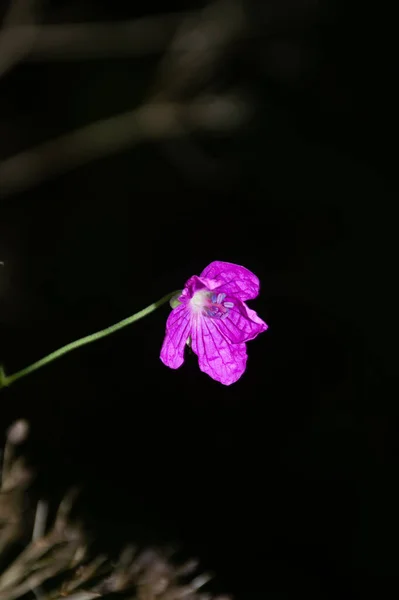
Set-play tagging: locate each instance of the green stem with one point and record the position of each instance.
(6, 380)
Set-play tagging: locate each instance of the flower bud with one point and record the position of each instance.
(174, 302)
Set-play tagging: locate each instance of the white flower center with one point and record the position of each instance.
(199, 301)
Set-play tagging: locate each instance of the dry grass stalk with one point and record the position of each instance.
(57, 562)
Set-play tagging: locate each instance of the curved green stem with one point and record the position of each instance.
(6, 380)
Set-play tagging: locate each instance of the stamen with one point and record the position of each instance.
(211, 304)
(216, 309)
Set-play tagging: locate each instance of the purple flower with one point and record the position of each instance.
(214, 320)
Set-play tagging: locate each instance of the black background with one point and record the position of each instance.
(285, 482)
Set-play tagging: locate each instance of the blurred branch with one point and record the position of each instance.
(109, 136)
(136, 37)
(196, 52)
(14, 45)
(197, 48)
(82, 41)
(19, 11)
(199, 41)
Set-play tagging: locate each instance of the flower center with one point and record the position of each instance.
(211, 305)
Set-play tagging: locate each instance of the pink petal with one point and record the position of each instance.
(255, 317)
(195, 283)
(241, 324)
(177, 333)
(233, 279)
(221, 360)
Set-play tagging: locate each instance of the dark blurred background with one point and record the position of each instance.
(286, 482)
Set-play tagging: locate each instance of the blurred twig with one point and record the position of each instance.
(108, 136)
(198, 46)
(14, 43)
(19, 12)
(176, 105)
(190, 63)
(135, 37)
(83, 41)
